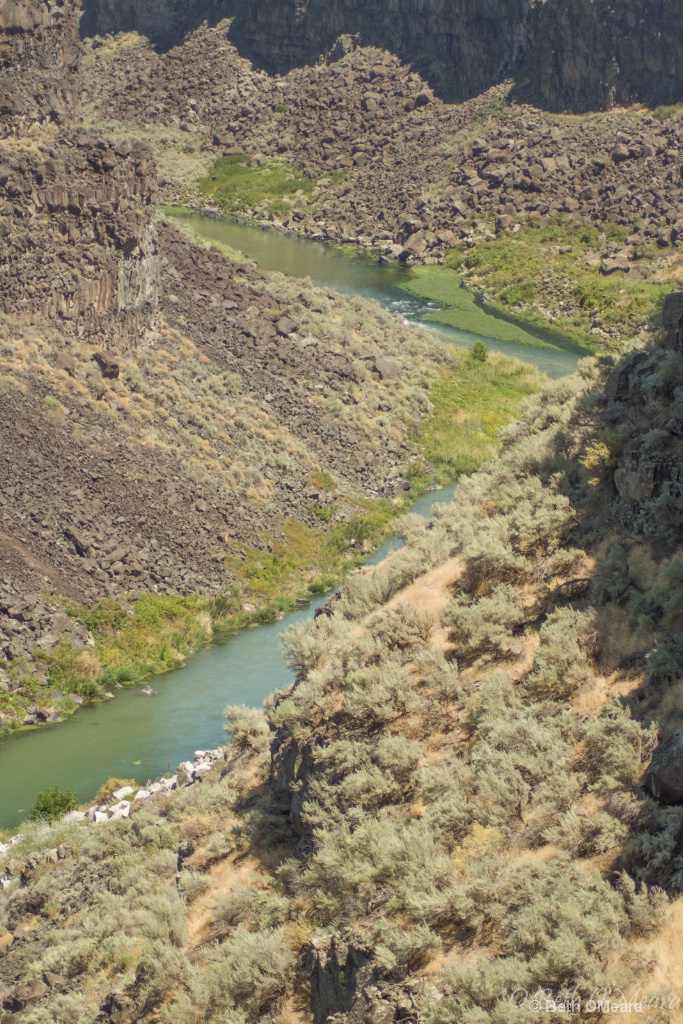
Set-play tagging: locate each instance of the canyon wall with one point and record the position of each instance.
(76, 236)
(563, 54)
(39, 40)
(594, 54)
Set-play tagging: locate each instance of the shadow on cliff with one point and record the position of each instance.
(625, 481)
(561, 57)
(456, 65)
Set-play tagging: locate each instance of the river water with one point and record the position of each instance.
(125, 738)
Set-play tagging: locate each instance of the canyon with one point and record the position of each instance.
(563, 56)
(382, 841)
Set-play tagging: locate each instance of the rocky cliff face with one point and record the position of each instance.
(463, 46)
(41, 40)
(563, 55)
(590, 55)
(76, 239)
(75, 222)
(164, 21)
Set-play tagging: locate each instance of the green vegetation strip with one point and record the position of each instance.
(469, 407)
(509, 267)
(154, 635)
(461, 310)
(235, 185)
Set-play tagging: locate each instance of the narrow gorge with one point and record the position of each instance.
(341, 383)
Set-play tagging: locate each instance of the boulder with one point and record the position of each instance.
(123, 792)
(108, 365)
(120, 810)
(664, 776)
(285, 327)
(386, 369)
(75, 816)
(25, 995)
(672, 318)
(66, 362)
(185, 773)
(610, 266)
(619, 380)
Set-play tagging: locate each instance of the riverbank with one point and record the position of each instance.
(144, 635)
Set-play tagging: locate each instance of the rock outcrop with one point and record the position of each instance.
(664, 776)
(76, 236)
(563, 55)
(40, 40)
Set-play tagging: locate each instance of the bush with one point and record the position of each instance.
(399, 950)
(479, 352)
(252, 970)
(617, 748)
(248, 727)
(403, 628)
(490, 627)
(52, 804)
(561, 666)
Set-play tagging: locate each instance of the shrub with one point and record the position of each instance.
(665, 662)
(403, 628)
(399, 950)
(561, 666)
(252, 970)
(490, 627)
(52, 804)
(192, 885)
(161, 969)
(617, 748)
(248, 727)
(479, 352)
(379, 695)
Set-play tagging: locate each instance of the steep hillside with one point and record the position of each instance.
(386, 842)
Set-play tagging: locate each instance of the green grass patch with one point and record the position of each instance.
(157, 636)
(235, 185)
(665, 111)
(131, 645)
(324, 480)
(470, 405)
(305, 560)
(511, 268)
(461, 310)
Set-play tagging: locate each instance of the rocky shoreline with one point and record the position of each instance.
(124, 802)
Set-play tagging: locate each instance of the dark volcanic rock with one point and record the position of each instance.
(664, 776)
(577, 56)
